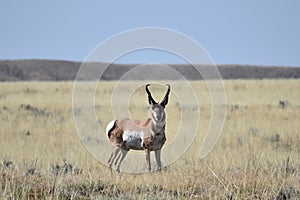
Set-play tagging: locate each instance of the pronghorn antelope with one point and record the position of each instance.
(125, 134)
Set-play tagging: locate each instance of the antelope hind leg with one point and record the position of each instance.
(113, 156)
(121, 157)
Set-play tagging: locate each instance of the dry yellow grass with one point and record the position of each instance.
(257, 155)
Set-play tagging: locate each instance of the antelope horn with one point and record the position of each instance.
(164, 102)
(150, 99)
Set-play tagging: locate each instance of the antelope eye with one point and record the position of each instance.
(154, 107)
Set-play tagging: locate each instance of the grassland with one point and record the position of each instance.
(256, 157)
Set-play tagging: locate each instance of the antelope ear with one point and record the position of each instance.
(164, 102)
(150, 99)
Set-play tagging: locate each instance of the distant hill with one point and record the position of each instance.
(57, 70)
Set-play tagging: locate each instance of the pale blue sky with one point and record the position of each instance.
(233, 32)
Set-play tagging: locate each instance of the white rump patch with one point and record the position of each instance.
(109, 126)
(132, 136)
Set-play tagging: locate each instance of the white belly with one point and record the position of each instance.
(134, 138)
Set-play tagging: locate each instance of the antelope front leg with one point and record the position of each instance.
(157, 158)
(147, 151)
